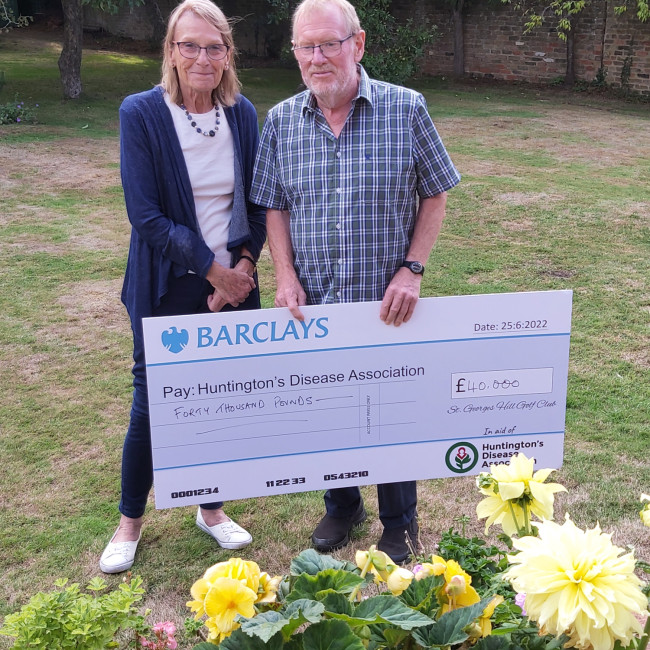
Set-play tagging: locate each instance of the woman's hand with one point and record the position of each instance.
(216, 302)
(231, 286)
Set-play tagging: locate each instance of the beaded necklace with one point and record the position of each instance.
(198, 129)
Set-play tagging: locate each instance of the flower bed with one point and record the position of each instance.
(555, 585)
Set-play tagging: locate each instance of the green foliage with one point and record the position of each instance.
(600, 80)
(68, 618)
(8, 20)
(16, 112)
(392, 49)
(642, 9)
(520, 637)
(280, 11)
(565, 11)
(482, 562)
(112, 6)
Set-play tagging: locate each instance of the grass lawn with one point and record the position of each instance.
(555, 195)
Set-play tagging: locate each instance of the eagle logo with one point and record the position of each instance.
(175, 341)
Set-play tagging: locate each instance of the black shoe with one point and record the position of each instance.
(394, 542)
(334, 532)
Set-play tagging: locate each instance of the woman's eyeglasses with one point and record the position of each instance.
(189, 50)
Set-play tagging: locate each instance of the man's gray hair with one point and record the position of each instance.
(347, 10)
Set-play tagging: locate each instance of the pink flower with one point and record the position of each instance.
(167, 627)
(520, 601)
(164, 637)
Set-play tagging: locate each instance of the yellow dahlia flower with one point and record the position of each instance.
(577, 583)
(513, 491)
(645, 511)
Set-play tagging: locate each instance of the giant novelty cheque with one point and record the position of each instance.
(255, 403)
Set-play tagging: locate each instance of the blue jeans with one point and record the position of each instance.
(397, 502)
(186, 295)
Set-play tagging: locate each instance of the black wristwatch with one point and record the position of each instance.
(414, 267)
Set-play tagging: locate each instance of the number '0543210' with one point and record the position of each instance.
(345, 475)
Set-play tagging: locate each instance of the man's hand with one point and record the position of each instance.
(290, 294)
(400, 298)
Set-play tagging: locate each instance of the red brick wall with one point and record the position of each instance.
(496, 47)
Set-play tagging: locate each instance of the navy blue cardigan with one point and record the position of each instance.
(166, 240)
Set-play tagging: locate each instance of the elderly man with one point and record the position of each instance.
(354, 178)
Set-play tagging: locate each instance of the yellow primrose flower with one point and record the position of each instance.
(268, 589)
(576, 582)
(512, 489)
(399, 580)
(457, 590)
(227, 598)
(645, 511)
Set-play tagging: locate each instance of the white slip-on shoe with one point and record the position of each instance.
(228, 534)
(118, 556)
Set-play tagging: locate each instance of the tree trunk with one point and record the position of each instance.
(459, 39)
(570, 75)
(70, 59)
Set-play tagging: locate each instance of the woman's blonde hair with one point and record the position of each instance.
(229, 86)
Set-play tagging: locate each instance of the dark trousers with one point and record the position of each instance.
(186, 295)
(397, 502)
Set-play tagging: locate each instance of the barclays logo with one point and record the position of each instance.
(175, 341)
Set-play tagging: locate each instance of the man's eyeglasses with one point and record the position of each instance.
(189, 50)
(328, 50)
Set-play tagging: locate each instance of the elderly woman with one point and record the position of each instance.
(187, 153)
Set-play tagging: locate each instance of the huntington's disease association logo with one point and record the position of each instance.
(461, 457)
(175, 341)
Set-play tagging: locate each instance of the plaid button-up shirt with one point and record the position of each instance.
(353, 199)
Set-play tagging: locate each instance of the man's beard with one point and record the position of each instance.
(330, 92)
